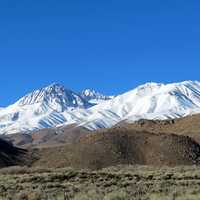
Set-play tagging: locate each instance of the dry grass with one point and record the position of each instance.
(115, 183)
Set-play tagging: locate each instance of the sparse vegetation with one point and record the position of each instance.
(188, 126)
(114, 183)
(119, 146)
(82, 170)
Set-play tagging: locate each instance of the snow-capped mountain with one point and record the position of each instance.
(94, 97)
(149, 101)
(55, 97)
(56, 106)
(44, 108)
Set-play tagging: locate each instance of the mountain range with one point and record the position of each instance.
(56, 106)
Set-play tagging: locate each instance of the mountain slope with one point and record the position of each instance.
(149, 101)
(11, 155)
(56, 106)
(44, 108)
(40, 109)
(188, 126)
(117, 146)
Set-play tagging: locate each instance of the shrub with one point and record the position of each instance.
(90, 195)
(117, 195)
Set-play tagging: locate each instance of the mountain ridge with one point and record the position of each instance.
(55, 105)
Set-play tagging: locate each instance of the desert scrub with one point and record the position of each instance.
(23, 170)
(122, 182)
(116, 195)
(28, 195)
(89, 195)
(159, 196)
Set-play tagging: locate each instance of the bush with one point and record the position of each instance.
(90, 195)
(22, 170)
(22, 196)
(117, 195)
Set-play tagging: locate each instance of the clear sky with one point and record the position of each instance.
(111, 46)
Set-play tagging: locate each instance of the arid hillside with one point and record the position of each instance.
(47, 137)
(120, 146)
(189, 126)
(146, 142)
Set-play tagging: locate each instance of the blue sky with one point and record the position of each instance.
(111, 46)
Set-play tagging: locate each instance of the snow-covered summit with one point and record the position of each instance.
(56, 106)
(148, 88)
(94, 97)
(56, 97)
(47, 107)
(150, 101)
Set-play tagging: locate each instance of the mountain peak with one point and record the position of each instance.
(89, 92)
(54, 96)
(55, 85)
(54, 105)
(93, 96)
(150, 85)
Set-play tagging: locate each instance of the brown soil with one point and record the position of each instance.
(120, 146)
(188, 126)
(47, 137)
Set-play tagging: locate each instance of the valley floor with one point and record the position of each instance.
(114, 183)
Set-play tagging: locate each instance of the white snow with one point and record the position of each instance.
(56, 106)
(94, 97)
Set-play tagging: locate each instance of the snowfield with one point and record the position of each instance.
(56, 106)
